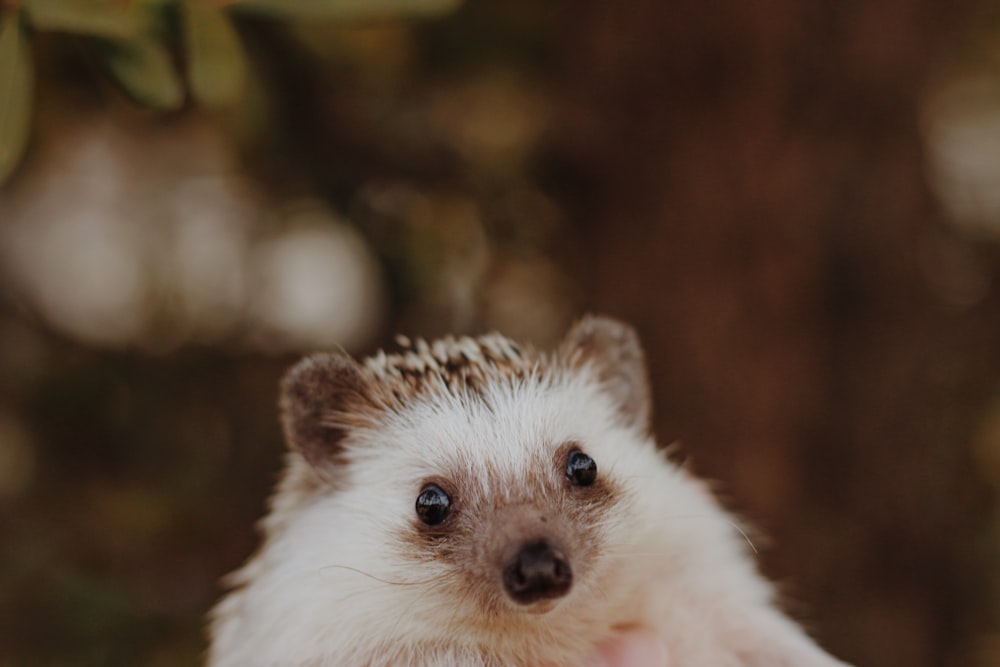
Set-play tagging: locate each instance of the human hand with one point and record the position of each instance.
(632, 648)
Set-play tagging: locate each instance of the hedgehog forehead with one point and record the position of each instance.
(477, 409)
(502, 420)
(503, 432)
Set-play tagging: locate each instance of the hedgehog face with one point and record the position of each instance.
(493, 472)
(497, 494)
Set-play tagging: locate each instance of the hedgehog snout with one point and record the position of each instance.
(538, 571)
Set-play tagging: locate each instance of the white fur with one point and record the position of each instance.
(333, 586)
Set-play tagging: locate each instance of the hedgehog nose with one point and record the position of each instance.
(537, 572)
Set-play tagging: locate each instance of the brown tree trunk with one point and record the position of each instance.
(755, 202)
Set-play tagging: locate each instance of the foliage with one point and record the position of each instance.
(140, 43)
(16, 83)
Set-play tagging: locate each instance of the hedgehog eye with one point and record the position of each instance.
(433, 505)
(580, 468)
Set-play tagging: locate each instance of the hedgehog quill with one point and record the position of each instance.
(469, 502)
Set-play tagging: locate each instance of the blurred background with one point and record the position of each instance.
(797, 205)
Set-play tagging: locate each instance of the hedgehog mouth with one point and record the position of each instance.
(540, 608)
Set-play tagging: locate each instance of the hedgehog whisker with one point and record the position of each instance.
(376, 578)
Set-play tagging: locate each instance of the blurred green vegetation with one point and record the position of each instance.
(139, 42)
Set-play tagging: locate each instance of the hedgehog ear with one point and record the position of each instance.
(613, 350)
(317, 396)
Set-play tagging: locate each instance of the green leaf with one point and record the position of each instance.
(103, 18)
(216, 65)
(144, 69)
(17, 82)
(347, 9)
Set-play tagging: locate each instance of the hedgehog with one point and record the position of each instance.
(474, 502)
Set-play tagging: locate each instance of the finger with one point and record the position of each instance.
(632, 648)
